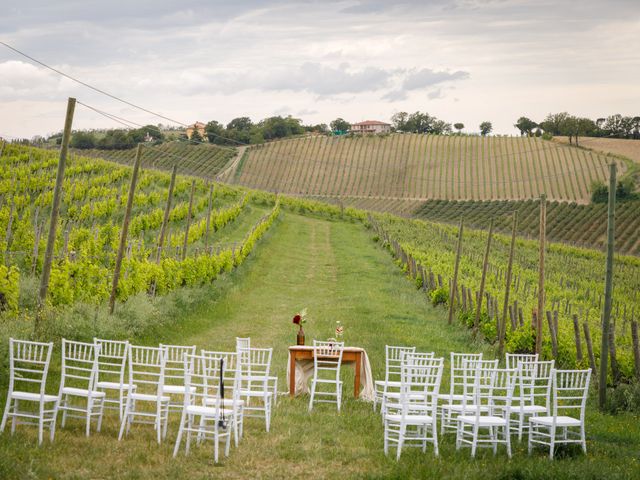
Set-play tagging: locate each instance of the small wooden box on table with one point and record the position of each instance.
(305, 352)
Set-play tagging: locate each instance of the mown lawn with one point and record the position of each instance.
(337, 272)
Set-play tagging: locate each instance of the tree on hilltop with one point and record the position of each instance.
(525, 125)
(485, 128)
(340, 125)
(458, 126)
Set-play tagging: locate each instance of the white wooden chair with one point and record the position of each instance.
(327, 359)
(493, 393)
(392, 373)
(392, 396)
(146, 372)
(174, 373)
(460, 398)
(201, 417)
(112, 365)
(28, 369)
(232, 404)
(533, 395)
(255, 383)
(513, 359)
(566, 423)
(412, 422)
(78, 382)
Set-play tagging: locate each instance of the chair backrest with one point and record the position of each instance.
(459, 380)
(112, 360)
(570, 389)
(230, 372)
(393, 361)
(420, 383)
(474, 374)
(534, 382)
(258, 362)
(243, 344)
(202, 381)
(495, 388)
(416, 358)
(514, 358)
(79, 364)
(29, 365)
(146, 369)
(174, 362)
(327, 357)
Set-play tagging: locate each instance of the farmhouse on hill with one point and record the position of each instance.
(370, 126)
(198, 125)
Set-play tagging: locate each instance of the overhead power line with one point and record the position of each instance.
(110, 95)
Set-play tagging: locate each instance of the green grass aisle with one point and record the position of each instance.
(337, 272)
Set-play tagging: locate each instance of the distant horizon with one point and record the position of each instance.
(463, 61)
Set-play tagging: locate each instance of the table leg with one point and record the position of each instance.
(356, 380)
(292, 375)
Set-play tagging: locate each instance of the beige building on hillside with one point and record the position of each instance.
(370, 126)
(198, 125)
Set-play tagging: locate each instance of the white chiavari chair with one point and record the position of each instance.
(327, 360)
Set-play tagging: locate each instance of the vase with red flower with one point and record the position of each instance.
(299, 319)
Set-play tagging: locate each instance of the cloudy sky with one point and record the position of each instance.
(461, 60)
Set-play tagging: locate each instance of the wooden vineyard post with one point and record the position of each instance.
(454, 283)
(543, 227)
(208, 226)
(507, 288)
(608, 288)
(186, 231)
(485, 264)
(167, 211)
(576, 332)
(636, 348)
(553, 334)
(55, 211)
(125, 230)
(587, 339)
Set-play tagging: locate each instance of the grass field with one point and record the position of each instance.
(413, 167)
(336, 270)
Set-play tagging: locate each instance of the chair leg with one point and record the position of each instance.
(552, 442)
(41, 424)
(189, 432)
(584, 441)
(7, 409)
(180, 431)
(88, 416)
(403, 429)
(165, 418)
(64, 401)
(474, 441)
(159, 423)
(216, 447)
(125, 419)
(507, 438)
(313, 392)
(100, 415)
(434, 432)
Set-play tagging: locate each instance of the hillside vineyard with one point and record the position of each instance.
(412, 167)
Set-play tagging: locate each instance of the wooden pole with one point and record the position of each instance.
(507, 288)
(587, 340)
(543, 227)
(608, 288)
(55, 210)
(485, 265)
(553, 334)
(186, 231)
(209, 207)
(576, 332)
(636, 347)
(454, 284)
(167, 211)
(125, 230)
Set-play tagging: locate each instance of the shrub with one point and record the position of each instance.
(439, 296)
(521, 340)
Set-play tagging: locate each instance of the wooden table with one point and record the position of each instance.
(305, 352)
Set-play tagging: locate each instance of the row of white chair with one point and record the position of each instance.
(505, 401)
(93, 378)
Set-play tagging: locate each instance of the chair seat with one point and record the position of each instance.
(255, 393)
(35, 397)
(226, 402)
(174, 389)
(392, 384)
(324, 380)
(114, 385)
(483, 421)
(561, 421)
(409, 419)
(81, 392)
(148, 397)
(528, 409)
(202, 410)
(465, 408)
(412, 396)
(453, 398)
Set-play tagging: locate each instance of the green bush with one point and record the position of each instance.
(439, 296)
(521, 340)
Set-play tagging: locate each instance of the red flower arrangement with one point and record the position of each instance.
(300, 318)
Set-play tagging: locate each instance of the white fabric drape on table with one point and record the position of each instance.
(304, 372)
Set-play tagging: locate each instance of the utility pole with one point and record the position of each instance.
(608, 288)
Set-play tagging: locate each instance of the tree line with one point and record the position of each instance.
(563, 123)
